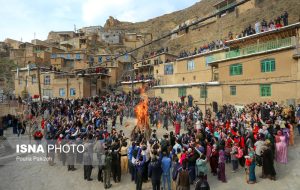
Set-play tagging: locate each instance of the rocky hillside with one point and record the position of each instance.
(216, 29)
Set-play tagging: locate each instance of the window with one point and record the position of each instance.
(47, 80)
(265, 90)
(33, 79)
(267, 65)
(72, 91)
(47, 92)
(99, 59)
(236, 69)
(20, 80)
(181, 91)
(168, 69)
(53, 55)
(62, 92)
(68, 56)
(77, 56)
(190, 65)
(162, 90)
(203, 92)
(232, 90)
(71, 64)
(91, 59)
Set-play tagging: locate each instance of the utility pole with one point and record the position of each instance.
(39, 82)
(67, 86)
(90, 85)
(79, 90)
(132, 76)
(26, 84)
(205, 98)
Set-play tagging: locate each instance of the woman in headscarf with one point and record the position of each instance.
(214, 158)
(221, 173)
(183, 180)
(281, 148)
(201, 167)
(291, 133)
(250, 167)
(268, 169)
(208, 150)
(177, 127)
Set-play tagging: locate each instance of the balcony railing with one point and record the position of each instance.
(252, 49)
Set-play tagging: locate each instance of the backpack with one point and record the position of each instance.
(240, 153)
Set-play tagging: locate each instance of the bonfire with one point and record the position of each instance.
(142, 115)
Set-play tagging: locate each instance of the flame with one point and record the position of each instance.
(158, 125)
(141, 111)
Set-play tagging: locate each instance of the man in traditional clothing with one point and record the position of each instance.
(155, 171)
(107, 169)
(140, 164)
(88, 158)
(71, 156)
(100, 150)
(116, 161)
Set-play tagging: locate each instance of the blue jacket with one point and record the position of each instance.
(166, 164)
(130, 152)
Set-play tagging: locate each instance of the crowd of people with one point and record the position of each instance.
(200, 143)
(259, 26)
(138, 77)
(263, 26)
(154, 53)
(213, 45)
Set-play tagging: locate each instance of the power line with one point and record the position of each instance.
(170, 33)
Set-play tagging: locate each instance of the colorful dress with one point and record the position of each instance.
(291, 134)
(221, 173)
(250, 172)
(252, 177)
(281, 150)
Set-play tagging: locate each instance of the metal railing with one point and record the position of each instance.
(252, 49)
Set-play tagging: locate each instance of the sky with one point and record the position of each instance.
(26, 19)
